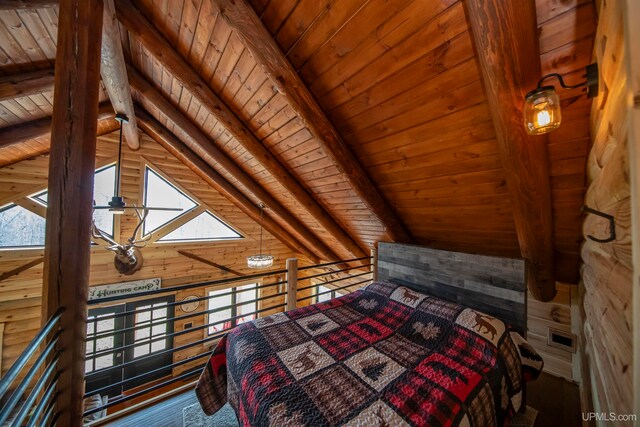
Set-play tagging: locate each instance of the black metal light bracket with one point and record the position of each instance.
(591, 82)
(612, 225)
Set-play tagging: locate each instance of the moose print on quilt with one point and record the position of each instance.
(383, 355)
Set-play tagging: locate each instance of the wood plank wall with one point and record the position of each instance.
(566, 30)
(20, 296)
(607, 271)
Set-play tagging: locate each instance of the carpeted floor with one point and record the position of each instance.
(527, 419)
(192, 416)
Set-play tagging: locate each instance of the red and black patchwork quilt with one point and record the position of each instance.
(382, 356)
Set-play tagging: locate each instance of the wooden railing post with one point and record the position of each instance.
(292, 283)
(374, 265)
(71, 173)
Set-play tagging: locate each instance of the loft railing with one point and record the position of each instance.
(148, 381)
(31, 401)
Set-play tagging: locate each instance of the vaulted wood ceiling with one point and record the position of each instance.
(397, 79)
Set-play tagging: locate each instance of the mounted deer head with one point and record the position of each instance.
(128, 258)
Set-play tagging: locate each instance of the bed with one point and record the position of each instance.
(424, 345)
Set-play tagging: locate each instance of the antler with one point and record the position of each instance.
(99, 234)
(139, 243)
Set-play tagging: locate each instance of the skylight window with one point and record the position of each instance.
(159, 193)
(20, 227)
(203, 227)
(103, 187)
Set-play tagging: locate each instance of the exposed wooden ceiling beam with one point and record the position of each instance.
(506, 41)
(160, 48)
(24, 84)
(211, 263)
(241, 17)
(114, 74)
(27, 4)
(200, 142)
(20, 269)
(17, 134)
(182, 152)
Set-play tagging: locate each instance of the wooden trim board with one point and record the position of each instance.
(493, 285)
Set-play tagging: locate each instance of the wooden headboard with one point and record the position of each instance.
(490, 284)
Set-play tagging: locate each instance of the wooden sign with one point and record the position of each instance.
(124, 288)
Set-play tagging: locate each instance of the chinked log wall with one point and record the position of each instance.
(606, 285)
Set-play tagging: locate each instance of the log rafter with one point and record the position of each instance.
(506, 41)
(162, 50)
(25, 84)
(241, 17)
(201, 142)
(113, 71)
(184, 154)
(41, 128)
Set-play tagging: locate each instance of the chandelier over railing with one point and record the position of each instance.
(260, 260)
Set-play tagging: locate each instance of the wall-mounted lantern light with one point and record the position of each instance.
(542, 105)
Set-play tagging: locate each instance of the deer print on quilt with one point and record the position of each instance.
(382, 356)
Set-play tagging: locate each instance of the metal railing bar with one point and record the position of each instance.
(37, 388)
(185, 316)
(333, 263)
(138, 377)
(188, 286)
(44, 402)
(31, 373)
(173, 304)
(26, 355)
(334, 281)
(159, 337)
(50, 414)
(332, 290)
(332, 272)
(153, 355)
(145, 391)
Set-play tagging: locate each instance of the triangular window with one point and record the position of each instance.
(103, 189)
(20, 227)
(160, 193)
(203, 227)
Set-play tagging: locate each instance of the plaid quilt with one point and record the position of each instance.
(382, 356)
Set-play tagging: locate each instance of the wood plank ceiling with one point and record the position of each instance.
(399, 82)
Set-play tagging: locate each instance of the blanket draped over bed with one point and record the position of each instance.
(382, 356)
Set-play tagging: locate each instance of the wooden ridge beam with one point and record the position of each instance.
(183, 153)
(17, 134)
(162, 50)
(506, 41)
(241, 17)
(211, 263)
(25, 84)
(201, 142)
(114, 74)
(71, 174)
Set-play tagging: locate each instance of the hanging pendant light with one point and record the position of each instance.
(261, 260)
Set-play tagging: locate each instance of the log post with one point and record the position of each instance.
(292, 283)
(506, 43)
(71, 172)
(374, 265)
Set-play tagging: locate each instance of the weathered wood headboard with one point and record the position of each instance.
(490, 284)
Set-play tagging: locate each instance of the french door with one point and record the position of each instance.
(138, 341)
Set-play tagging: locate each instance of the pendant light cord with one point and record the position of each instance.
(117, 184)
(261, 207)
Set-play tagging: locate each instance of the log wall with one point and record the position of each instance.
(607, 271)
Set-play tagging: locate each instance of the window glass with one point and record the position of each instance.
(323, 297)
(203, 227)
(20, 228)
(246, 293)
(216, 319)
(159, 193)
